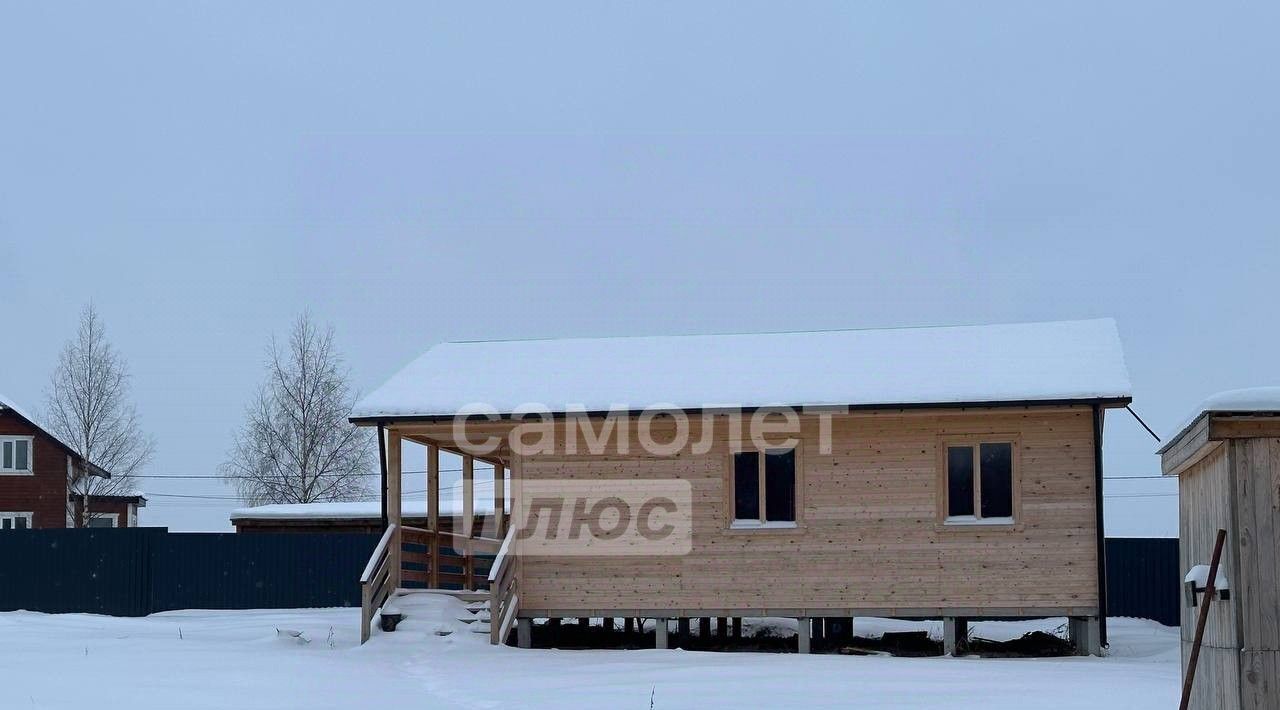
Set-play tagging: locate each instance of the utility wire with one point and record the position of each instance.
(407, 493)
(216, 477)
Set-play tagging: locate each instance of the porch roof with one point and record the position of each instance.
(951, 365)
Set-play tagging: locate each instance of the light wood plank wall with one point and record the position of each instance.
(1256, 462)
(1205, 506)
(868, 535)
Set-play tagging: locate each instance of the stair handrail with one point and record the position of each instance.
(500, 560)
(379, 551)
(504, 600)
(375, 584)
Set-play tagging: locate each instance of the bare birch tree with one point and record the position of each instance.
(88, 407)
(296, 445)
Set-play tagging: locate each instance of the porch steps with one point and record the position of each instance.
(467, 596)
(477, 604)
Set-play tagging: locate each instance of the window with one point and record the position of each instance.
(15, 521)
(979, 484)
(104, 520)
(15, 455)
(764, 488)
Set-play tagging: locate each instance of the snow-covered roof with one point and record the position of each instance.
(1250, 400)
(1069, 360)
(415, 507)
(8, 403)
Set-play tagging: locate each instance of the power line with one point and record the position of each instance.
(451, 486)
(215, 477)
(408, 493)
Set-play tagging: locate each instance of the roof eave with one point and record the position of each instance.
(1106, 402)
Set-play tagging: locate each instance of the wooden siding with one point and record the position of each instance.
(1229, 478)
(1205, 506)
(868, 537)
(1256, 463)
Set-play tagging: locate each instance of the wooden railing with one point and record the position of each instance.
(444, 560)
(504, 592)
(379, 578)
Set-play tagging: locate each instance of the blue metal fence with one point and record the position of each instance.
(1143, 578)
(138, 571)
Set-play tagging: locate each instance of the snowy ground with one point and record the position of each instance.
(219, 659)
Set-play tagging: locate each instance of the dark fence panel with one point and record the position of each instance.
(138, 571)
(1143, 579)
(259, 571)
(96, 571)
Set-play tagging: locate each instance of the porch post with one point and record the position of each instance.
(499, 500)
(433, 515)
(468, 520)
(393, 504)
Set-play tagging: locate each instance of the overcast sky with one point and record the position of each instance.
(414, 174)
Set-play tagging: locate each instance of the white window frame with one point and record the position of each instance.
(31, 455)
(14, 516)
(113, 517)
(761, 523)
(975, 441)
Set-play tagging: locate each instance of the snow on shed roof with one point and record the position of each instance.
(1241, 401)
(1069, 360)
(415, 507)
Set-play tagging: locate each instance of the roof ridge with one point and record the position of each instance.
(772, 332)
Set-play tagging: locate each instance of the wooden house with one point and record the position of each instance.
(109, 511)
(1227, 460)
(950, 472)
(35, 465)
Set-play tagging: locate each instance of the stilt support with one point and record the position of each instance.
(803, 629)
(955, 635)
(1084, 634)
(660, 634)
(524, 633)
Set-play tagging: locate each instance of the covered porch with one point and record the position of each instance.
(461, 549)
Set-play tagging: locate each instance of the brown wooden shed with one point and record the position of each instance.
(1227, 459)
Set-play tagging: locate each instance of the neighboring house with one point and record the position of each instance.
(950, 472)
(110, 511)
(34, 467)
